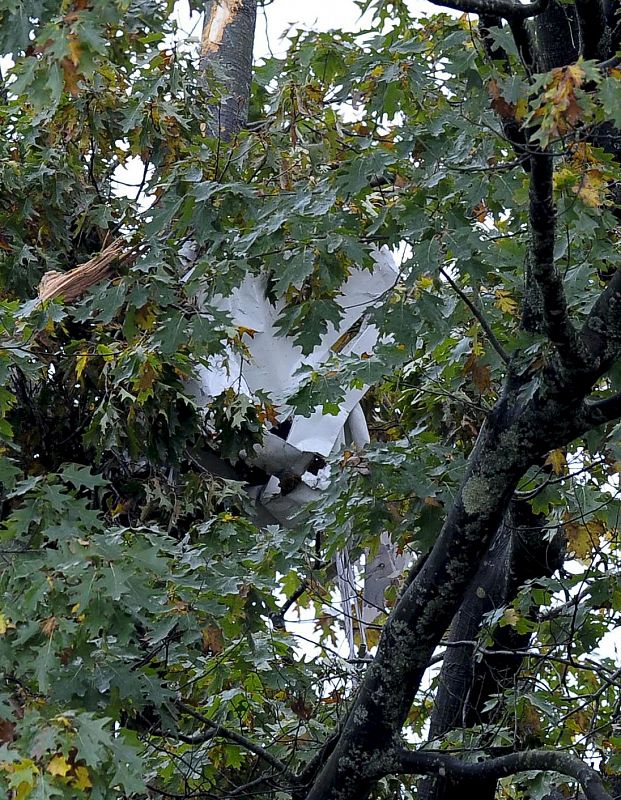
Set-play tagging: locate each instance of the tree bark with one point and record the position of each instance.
(519, 552)
(226, 45)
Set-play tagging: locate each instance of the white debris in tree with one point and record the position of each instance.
(275, 366)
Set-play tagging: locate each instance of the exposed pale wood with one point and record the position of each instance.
(222, 14)
(74, 283)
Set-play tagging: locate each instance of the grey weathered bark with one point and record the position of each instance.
(425, 763)
(226, 46)
(557, 36)
(519, 552)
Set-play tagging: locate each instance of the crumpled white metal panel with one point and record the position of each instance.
(274, 366)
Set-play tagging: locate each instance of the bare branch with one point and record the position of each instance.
(598, 412)
(491, 336)
(426, 762)
(239, 739)
(496, 8)
(198, 738)
(542, 216)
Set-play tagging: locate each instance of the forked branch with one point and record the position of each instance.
(425, 762)
(240, 739)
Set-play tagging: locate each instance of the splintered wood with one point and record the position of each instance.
(222, 14)
(77, 281)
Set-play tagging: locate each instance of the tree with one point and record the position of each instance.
(147, 642)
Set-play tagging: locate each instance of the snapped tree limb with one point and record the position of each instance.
(227, 42)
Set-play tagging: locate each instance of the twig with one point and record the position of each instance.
(479, 316)
(239, 739)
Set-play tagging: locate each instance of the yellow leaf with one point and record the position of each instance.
(564, 177)
(592, 188)
(424, 282)
(82, 779)
(147, 377)
(243, 330)
(80, 365)
(63, 720)
(59, 766)
(579, 722)
(560, 108)
(5, 624)
(529, 722)
(145, 317)
(23, 790)
(74, 50)
(556, 459)
(119, 508)
(505, 302)
(477, 348)
(510, 617)
(582, 539)
(372, 636)
(521, 109)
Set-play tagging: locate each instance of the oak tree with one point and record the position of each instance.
(149, 645)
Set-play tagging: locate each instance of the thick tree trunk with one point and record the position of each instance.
(557, 36)
(227, 44)
(519, 552)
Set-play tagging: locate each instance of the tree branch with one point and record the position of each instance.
(497, 8)
(198, 738)
(491, 336)
(239, 739)
(598, 412)
(592, 27)
(227, 41)
(601, 333)
(425, 762)
(542, 217)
